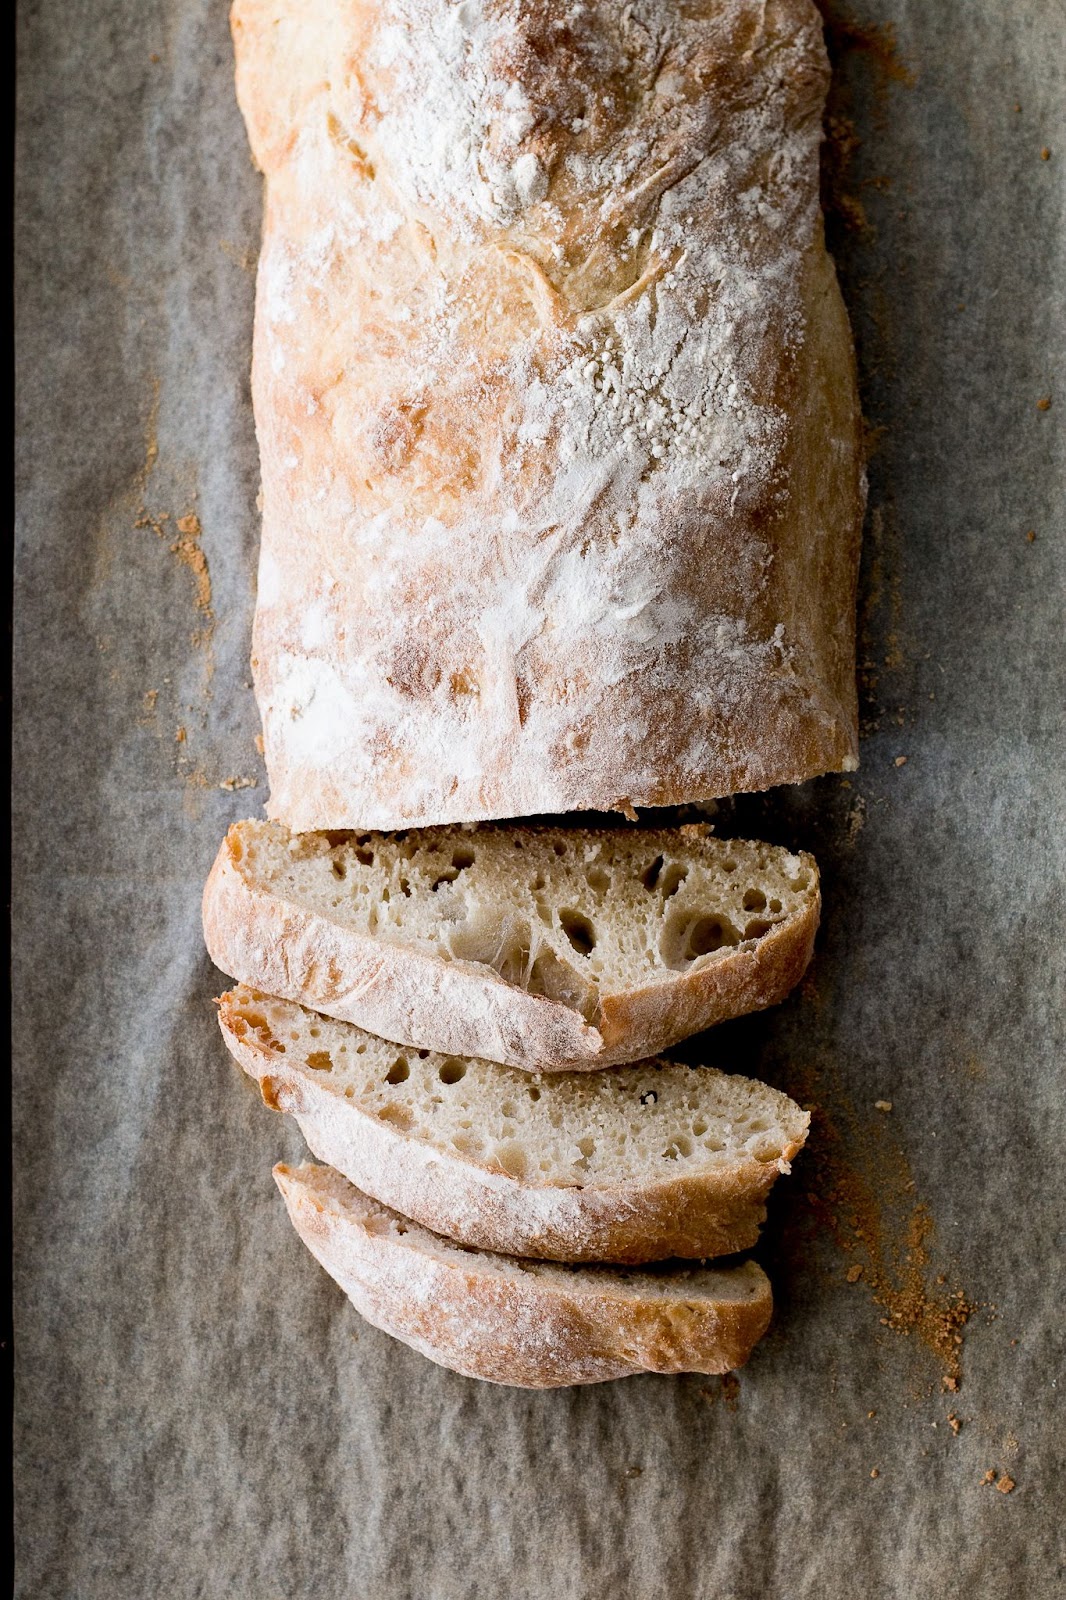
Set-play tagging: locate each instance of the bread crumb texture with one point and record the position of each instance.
(570, 915)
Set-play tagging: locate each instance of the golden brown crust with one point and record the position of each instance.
(693, 1216)
(556, 404)
(488, 1317)
(465, 1008)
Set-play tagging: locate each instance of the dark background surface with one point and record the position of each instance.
(200, 1413)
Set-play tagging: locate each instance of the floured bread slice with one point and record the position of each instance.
(630, 1164)
(546, 948)
(525, 1323)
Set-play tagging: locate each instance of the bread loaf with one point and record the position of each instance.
(526, 1323)
(630, 1164)
(550, 948)
(556, 405)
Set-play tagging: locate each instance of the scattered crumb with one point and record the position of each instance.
(229, 784)
(1031, 535)
(874, 1472)
(634, 1472)
(181, 736)
(953, 1422)
(1045, 154)
(950, 1384)
(856, 819)
(155, 60)
(1005, 1484)
(861, 1192)
(1044, 403)
(150, 698)
(989, 1477)
(259, 743)
(901, 761)
(882, 1105)
(871, 1414)
(853, 1275)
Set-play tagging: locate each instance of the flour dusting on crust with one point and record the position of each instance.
(556, 407)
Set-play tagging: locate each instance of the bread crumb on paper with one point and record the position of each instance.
(1006, 1484)
(901, 761)
(229, 784)
(882, 1105)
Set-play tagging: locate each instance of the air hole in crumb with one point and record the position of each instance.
(538, 883)
(579, 931)
(598, 879)
(800, 881)
(320, 1061)
(314, 1032)
(452, 1070)
(340, 870)
(708, 934)
(754, 900)
(512, 1158)
(405, 888)
(729, 866)
(672, 879)
(422, 1054)
(534, 1092)
(756, 928)
(462, 858)
(699, 1129)
(399, 1072)
(649, 1098)
(775, 906)
(559, 848)
(685, 938)
(365, 856)
(650, 876)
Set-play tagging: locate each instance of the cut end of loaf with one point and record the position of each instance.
(548, 948)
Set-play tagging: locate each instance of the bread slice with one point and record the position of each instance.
(547, 948)
(630, 1164)
(525, 1323)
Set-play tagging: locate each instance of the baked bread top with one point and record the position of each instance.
(556, 404)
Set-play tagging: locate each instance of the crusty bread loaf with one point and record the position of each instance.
(526, 1323)
(547, 948)
(556, 405)
(630, 1164)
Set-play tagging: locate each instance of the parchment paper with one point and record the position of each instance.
(199, 1412)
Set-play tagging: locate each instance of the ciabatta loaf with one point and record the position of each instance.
(548, 949)
(556, 405)
(630, 1164)
(526, 1323)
